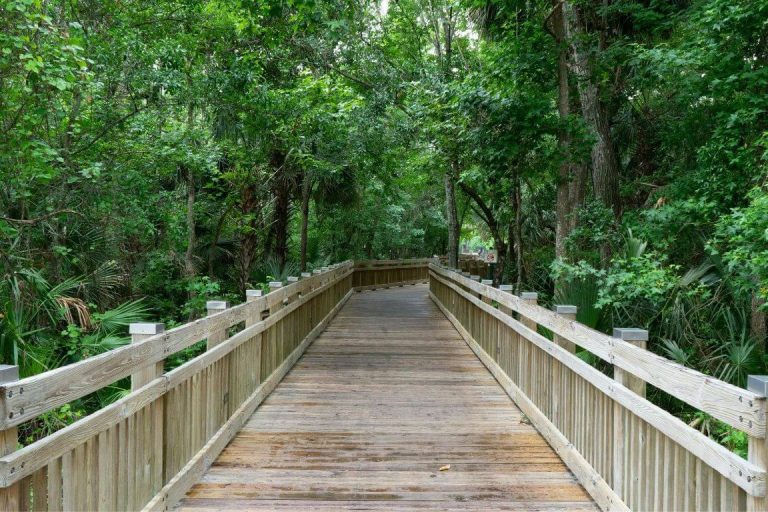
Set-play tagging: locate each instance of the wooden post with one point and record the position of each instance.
(487, 282)
(154, 463)
(638, 337)
(273, 287)
(758, 449)
(216, 337)
(569, 312)
(139, 332)
(531, 298)
(10, 497)
(252, 317)
(506, 288)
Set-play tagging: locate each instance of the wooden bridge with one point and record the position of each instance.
(426, 390)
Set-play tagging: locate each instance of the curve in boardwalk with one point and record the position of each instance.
(387, 396)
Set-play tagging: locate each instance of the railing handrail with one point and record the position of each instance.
(738, 407)
(741, 472)
(27, 398)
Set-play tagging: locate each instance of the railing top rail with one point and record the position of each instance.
(738, 407)
(29, 397)
(388, 263)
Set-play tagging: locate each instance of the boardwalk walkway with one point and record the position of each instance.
(387, 396)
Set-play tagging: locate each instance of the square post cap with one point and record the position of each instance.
(758, 384)
(305, 275)
(529, 296)
(293, 279)
(475, 278)
(506, 288)
(146, 328)
(8, 373)
(630, 334)
(563, 309)
(216, 305)
(489, 282)
(275, 284)
(253, 293)
(317, 271)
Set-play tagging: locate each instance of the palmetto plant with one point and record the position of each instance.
(43, 325)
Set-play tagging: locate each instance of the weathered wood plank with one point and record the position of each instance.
(365, 421)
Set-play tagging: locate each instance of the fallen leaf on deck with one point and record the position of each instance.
(445, 468)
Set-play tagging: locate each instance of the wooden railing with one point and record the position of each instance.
(147, 449)
(626, 451)
(373, 274)
(472, 264)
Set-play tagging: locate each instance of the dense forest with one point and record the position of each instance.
(157, 154)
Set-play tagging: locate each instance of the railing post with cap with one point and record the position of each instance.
(531, 298)
(219, 335)
(758, 449)
(487, 282)
(10, 497)
(253, 316)
(139, 332)
(569, 312)
(508, 288)
(505, 333)
(638, 337)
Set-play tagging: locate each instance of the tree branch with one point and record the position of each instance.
(32, 222)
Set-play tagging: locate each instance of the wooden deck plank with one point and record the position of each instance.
(383, 399)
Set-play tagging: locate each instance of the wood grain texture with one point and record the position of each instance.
(383, 399)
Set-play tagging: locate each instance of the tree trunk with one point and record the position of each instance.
(282, 192)
(451, 216)
(757, 325)
(605, 163)
(306, 193)
(282, 206)
(249, 238)
(565, 207)
(516, 236)
(189, 262)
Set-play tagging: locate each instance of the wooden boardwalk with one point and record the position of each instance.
(387, 396)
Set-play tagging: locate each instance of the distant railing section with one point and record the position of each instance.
(373, 274)
(147, 449)
(625, 451)
(470, 263)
